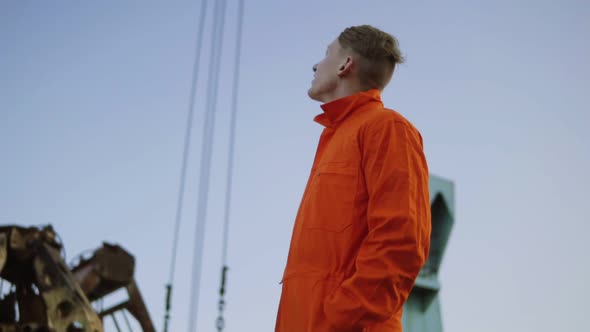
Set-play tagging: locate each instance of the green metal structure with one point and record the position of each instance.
(422, 309)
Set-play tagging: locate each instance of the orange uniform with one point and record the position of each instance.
(362, 232)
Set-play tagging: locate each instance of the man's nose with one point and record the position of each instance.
(315, 67)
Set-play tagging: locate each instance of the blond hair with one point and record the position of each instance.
(378, 54)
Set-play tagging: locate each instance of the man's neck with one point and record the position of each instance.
(343, 90)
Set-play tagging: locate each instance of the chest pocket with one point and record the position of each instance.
(331, 201)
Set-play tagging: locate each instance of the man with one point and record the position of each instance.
(362, 232)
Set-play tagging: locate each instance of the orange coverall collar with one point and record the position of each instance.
(336, 110)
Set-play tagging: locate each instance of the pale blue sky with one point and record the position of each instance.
(93, 100)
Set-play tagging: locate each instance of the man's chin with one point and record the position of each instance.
(313, 94)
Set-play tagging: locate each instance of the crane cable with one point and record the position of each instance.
(208, 126)
(207, 143)
(221, 305)
(185, 154)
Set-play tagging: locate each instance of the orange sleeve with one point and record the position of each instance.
(398, 217)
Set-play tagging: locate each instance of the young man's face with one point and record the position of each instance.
(326, 73)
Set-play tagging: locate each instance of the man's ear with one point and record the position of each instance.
(346, 66)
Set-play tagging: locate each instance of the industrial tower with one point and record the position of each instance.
(422, 309)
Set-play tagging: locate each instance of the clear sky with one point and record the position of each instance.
(93, 101)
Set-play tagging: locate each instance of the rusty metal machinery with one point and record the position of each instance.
(47, 295)
(109, 269)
